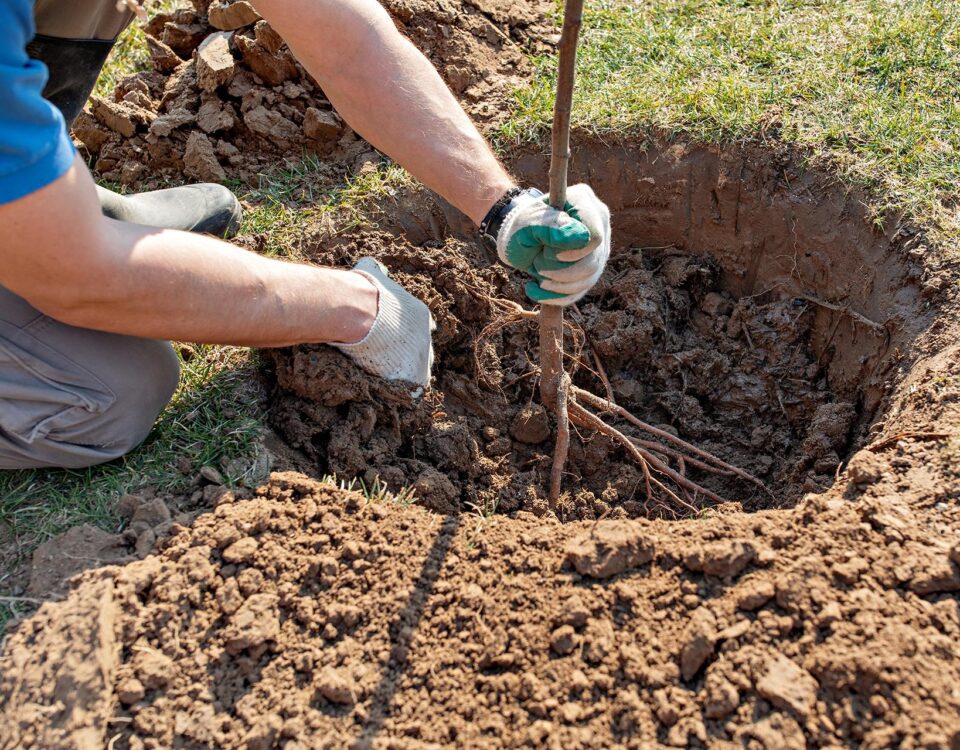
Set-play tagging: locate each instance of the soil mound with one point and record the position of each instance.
(226, 98)
(308, 617)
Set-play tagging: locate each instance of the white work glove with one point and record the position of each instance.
(399, 345)
(564, 251)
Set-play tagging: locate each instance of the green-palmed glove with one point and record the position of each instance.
(399, 345)
(564, 251)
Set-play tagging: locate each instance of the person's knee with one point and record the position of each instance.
(137, 383)
(141, 393)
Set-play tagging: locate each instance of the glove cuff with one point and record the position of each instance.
(493, 222)
(387, 336)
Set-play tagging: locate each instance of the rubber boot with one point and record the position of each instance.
(74, 66)
(205, 207)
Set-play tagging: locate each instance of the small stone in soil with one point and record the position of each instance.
(336, 687)
(130, 691)
(127, 506)
(788, 686)
(152, 512)
(563, 640)
(727, 558)
(866, 468)
(531, 425)
(698, 642)
(754, 594)
(211, 475)
(241, 551)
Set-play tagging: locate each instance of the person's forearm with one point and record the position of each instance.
(92, 272)
(190, 287)
(391, 95)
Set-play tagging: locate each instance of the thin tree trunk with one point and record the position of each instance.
(554, 383)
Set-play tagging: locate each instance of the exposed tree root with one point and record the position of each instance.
(653, 456)
(581, 417)
(563, 440)
(601, 371)
(723, 466)
(888, 441)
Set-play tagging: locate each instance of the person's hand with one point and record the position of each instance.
(564, 251)
(399, 345)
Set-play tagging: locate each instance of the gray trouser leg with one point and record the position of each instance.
(71, 397)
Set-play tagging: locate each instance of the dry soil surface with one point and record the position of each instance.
(307, 617)
(749, 306)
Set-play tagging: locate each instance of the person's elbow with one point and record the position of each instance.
(76, 302)
(73, 289)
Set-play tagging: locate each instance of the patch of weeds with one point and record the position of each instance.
(481, 516)
(377, 492)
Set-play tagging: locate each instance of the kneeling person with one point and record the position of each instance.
(94, 285)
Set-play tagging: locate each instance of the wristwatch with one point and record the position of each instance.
(490, 226)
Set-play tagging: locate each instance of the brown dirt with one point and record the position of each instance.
(752, 307)
(307, 617)
(221, 104)
(148, 520)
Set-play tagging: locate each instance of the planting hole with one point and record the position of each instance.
(749, 308)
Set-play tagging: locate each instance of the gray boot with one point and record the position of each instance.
(205, 207)
(74, 65)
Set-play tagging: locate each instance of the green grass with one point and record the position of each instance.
(306, 194)
(869, 86)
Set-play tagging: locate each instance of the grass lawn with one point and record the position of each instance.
(865, 87)
(868, 86)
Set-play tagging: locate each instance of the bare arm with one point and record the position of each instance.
(90, 271)
(391, 95)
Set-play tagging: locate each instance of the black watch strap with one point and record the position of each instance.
(490, 226)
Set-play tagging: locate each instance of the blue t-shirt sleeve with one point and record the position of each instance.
(34, 147)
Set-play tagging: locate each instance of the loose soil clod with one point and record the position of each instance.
(226, 97)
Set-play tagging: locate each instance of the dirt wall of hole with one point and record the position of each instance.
(776, 231)
(834, 303)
